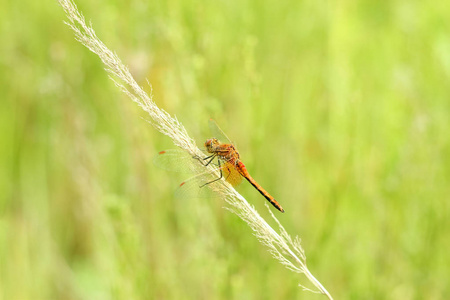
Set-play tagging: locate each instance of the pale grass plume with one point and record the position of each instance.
(283, 248)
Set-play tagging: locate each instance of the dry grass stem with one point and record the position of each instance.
(286, 250)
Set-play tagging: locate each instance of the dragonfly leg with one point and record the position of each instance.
(202, 160)
(212, 155)
(212, 158)
(220, 177)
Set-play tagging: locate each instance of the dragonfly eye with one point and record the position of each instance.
(208, 143)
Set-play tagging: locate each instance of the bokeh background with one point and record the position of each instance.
(340, 109)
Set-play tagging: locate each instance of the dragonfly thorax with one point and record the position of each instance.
(225, 152)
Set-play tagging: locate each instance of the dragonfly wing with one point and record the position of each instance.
(231, 174)
(204, 185)
(217, 132)
(177, 160)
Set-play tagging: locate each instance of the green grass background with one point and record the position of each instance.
(340, 109)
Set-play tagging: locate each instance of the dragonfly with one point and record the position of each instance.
(224, 155)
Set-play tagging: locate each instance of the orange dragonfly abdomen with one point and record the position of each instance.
(243, 171)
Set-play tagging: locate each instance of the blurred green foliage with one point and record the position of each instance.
(340, 109)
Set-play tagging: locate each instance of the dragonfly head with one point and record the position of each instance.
(211, 144)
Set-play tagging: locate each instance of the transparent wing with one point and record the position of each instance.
(177, 160)
(204, 185)
(198, 186)
(217, 132)
(207, 184)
